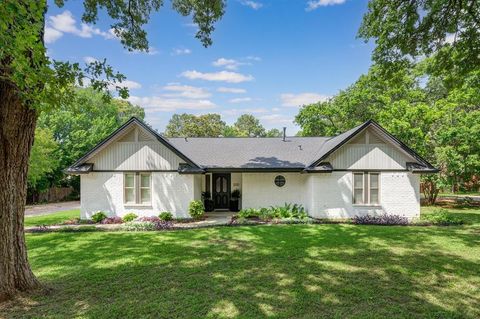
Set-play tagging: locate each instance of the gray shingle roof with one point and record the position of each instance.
(295, 152)
(255, 152)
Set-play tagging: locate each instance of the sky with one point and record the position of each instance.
(268, 58)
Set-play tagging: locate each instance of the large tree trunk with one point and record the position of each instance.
(17, 129)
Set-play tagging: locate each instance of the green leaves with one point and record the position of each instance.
(406, 30)
(47, 84)
(249, 126)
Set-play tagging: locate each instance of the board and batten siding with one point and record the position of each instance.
(123, 156)
(361, 156)
(369, 151)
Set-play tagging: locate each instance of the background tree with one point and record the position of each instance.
(249, 125)
(446, 29)
(31, 83)
(77, 126)
(42, 159)
(189, 125)
(274, 133)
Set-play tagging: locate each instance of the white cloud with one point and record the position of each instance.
(252, 4)
(89, 59)
(65, 23)
(276, 119)
(289, 99)
(229, 64)
(179, 51)
(240, 100)
(231, 90)
(186, 91)
(51, 35)
(222, 76)
(315, 4)
(161, 104)
(131, 85)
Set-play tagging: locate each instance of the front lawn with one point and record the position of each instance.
(282, 271)
(470, 215)
(52, 219)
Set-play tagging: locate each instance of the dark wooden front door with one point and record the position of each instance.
(221, 191)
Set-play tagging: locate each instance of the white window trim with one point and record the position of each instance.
(366, 189)
(355, 188)
(125, 189)
(377, 188)
(148, 203)
(137, 190)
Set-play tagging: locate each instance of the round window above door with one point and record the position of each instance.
(279, 180)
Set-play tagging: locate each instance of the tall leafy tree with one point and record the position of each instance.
(274, 133)
(30, 83)
(249, 125)
(43, 159)
(446, 29)
(189, 125)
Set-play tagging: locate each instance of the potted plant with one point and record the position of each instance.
(235, 200)
(207, 201)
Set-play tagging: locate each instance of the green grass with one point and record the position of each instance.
(52, 219)
(468, 215)
(281, 271)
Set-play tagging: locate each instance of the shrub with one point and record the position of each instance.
(151, 219)
(384, 219)
(112, 220)
(196, 209)
(99, 216)
(442, 217)
(166, 216)
(129, 217)
(248, 213)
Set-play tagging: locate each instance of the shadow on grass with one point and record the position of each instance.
(264, 271)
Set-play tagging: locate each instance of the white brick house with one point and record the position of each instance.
(364, 170)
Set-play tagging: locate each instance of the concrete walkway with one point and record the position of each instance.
(44, 209)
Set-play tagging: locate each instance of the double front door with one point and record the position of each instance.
(221, 191)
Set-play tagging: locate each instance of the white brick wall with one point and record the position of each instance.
(330, 195)
(323, 195)
(259, 189)
(104, 191)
